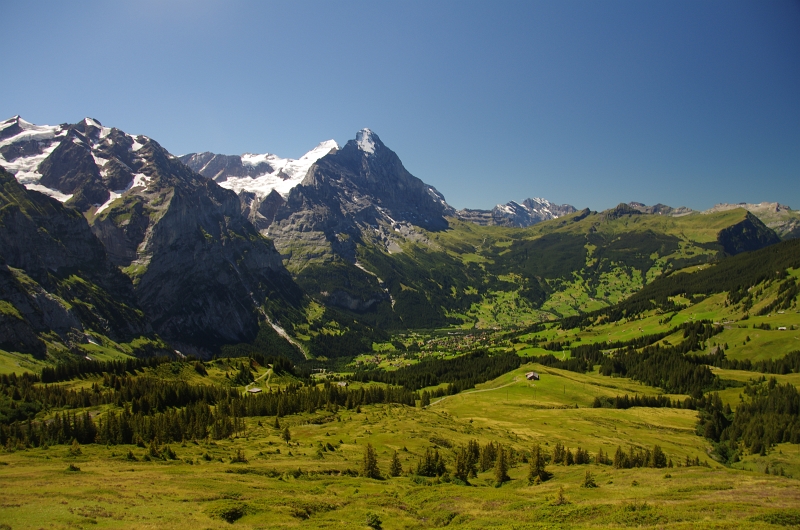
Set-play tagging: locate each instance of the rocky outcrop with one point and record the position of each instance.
(220, 167)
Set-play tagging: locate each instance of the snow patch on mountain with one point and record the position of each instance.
(286, 174)
(24, 146)
(365, 141)
(29, 131)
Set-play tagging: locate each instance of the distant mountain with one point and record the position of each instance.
(348, 227)
(782, 219)
(254, 173)
(529, 212)
(661, 209)
(201, 272)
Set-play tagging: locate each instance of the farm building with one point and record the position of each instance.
(532, 376)
(254, 390)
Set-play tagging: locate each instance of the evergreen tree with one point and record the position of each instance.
(462, 464)
(536, 471)
(487, 456)
(658, 458)
(395, 469)
(501, 466)
(369, 465)
(286, 436)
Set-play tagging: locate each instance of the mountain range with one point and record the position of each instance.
(206, 250)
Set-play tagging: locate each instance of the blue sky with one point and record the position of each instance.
(590, 103)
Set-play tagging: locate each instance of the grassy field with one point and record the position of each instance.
(308, 482)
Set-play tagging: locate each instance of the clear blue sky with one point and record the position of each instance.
(591, 103)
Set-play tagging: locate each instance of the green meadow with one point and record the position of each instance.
(311, 482)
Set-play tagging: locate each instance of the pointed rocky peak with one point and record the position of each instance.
(368, 141)
(92, 129)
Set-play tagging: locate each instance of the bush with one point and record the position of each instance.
(373, 521)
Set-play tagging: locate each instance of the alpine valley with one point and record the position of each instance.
(280, 343)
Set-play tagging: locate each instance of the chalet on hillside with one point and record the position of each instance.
(532, 376)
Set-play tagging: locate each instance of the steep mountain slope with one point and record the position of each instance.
(56, 281)
(782, 219)
(201, 271)
(361, 191)
(261, 181)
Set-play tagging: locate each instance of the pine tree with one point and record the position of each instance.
(487, 456)
(501, 466)
(369, 465)
(536, 471)
(560, 499)
(286, 436)
(559, 454)
(462, 465)
(395, 469)
(658, 458)
(588, 480)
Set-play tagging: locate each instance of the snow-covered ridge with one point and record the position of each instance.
(286, 173)
(24, 146)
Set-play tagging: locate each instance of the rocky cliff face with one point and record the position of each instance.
(201, 272)
(357, 193)
(55, 276)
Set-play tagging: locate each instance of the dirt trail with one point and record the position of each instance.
(516, 379)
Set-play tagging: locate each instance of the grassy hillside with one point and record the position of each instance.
(256, 479)
(493, 277)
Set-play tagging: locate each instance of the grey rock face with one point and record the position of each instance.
(261, 211)
(349, 195)
(56, 275)
(201, 272)
(219, 167)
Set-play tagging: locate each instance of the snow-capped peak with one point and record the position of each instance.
(91, 122)
(365, 141)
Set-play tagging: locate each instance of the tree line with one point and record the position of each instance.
(462, 372)
(145, 408)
